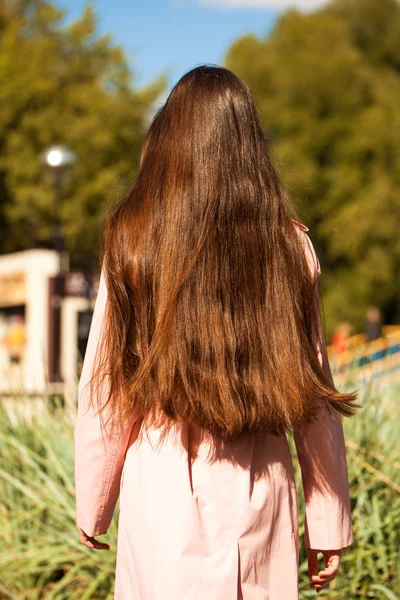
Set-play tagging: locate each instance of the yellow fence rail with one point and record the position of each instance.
(368, 359)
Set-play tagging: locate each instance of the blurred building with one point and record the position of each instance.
(32, 342)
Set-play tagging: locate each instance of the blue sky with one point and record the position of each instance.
(172, 36)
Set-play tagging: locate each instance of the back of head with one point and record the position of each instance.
(211, 305)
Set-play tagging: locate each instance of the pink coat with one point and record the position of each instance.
(195, 527)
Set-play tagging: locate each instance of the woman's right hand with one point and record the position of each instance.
(91, 542)
(320, 580)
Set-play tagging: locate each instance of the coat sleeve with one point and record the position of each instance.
(99, 450)
(322, 456)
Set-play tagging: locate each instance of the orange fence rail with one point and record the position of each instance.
(363, 358)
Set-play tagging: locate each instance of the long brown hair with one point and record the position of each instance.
(211, 315)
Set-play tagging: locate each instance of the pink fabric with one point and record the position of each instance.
(199, 527)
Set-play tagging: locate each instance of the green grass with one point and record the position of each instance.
(40, 556)
(371, 567)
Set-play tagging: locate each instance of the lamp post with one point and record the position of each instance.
(57, 160)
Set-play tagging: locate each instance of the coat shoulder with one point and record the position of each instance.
(300, 225)
(309, 251)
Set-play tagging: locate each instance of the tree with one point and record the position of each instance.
(327, 85)
(63, 84)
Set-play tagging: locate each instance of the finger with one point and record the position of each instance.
(331, 567)
(318, 590)
(323, 578)
(320, 586)
(332, 557)
(321, 581)
(328, 572)
(92, 543)
(318, 579)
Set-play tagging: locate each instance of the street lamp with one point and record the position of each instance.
(58, 161)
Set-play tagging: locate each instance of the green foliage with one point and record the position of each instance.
(327, 85)
(63, 84)
(371, 567)
(40, 556)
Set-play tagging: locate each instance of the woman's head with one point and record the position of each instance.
(210, 314)
(207, 147)
(209, 124)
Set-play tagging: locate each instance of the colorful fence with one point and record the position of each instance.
(366, 360)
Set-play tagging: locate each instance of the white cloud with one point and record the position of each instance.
(305, 5)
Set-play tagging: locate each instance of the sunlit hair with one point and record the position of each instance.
(211, 311)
